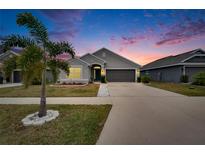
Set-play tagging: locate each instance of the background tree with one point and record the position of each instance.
(9, 65)
(39, 50)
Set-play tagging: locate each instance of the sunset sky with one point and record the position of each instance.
(139, 35)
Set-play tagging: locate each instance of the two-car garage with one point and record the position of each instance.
(120, 75)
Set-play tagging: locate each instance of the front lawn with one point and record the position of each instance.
(89, 90)
(76, 124)
(184, 89)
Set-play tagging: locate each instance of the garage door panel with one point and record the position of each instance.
(120, 75)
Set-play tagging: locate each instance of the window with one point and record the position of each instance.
(75, 73)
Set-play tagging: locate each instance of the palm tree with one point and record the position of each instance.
(39, 41)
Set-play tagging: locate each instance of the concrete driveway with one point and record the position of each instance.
(123, 89)
(146, 115)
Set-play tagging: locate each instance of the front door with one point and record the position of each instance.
(97, 74)
(17, 77)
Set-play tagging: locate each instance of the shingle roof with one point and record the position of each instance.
(171, 60)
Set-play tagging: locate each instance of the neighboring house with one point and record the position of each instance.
(170, 69)
(16, 76)
(103, 62)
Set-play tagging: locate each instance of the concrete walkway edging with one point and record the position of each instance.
(103, 91)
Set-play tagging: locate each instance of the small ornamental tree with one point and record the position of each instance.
(39, 52)
(199, 79)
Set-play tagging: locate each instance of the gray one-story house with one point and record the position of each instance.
(170, 69)
(103, 62)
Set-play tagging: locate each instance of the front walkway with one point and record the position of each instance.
(142, 115)
(103, 90)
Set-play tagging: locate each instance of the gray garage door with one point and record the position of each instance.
(120, 75)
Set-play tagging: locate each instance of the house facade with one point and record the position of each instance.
(16, 76)
(171, 68)
(103, 62)
(89, 67)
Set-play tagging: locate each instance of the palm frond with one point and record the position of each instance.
(15, 41)
(36, 28)
(57, 65)
(56, 48)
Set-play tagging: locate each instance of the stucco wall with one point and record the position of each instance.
(85, 71)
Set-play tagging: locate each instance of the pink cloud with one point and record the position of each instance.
(183, 32)
(65, 22)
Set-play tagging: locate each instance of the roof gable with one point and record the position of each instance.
(92, 59)
(7, 55)
(77, 61)
(114, 60)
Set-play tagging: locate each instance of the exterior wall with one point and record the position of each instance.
(113, 60)
(92, 60)
(191, 71)
(49, 76)
(169, 74)
(85, 74)
(197, 59)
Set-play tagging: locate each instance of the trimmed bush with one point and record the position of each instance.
(36, 81)
(138, 79)
(184, 79)
(103, 79)
(145, 79)
(199, 79)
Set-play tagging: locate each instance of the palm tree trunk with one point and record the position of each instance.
(42, 110)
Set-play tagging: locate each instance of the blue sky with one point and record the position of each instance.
(140, 35)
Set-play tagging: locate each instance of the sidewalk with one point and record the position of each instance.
(7, 85)
(56, 100)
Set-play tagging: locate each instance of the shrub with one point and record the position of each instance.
(199, 79)
(184, 79)
(138, 79)
(103, 79)
(145, 79)
(36, 81)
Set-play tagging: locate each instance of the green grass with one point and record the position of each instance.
(76, 124)
(89, 90)
(184, 89)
